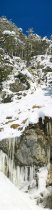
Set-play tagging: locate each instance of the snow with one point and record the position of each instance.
(36, 36)
(28, 108)
(11, 198)
(20, 29)
(25, 109)
(25, 72)
(8, 32)
(36, 103)
(45, 62)
(42, 178)
(42, 175)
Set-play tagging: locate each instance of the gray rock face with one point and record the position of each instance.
(46, 200)
(21, 83)
(30, 148)
(33, 147)
(23, 156)
(19, 86)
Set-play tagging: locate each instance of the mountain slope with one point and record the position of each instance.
(25, 91)
(25, 105)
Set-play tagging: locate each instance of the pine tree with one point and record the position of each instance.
(29, 45)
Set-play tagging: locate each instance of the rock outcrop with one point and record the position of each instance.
(33, 146)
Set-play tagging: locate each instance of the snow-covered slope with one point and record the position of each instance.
(25, 92)
(11, 198)
(41, 68)
(23, 111)
(25, 102)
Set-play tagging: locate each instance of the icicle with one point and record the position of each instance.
(47, 129)
(48, 154)
(31, 172)
(50, 129)
(18, 175)
(25, 173)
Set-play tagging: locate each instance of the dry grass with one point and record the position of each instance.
(8, 117)
(10, 121)
(24, 121)
(1, 129)
(15, 126)
(36, 107)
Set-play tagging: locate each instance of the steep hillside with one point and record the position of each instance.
(22, 55)
(26, 110)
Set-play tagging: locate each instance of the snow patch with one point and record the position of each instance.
(11, 198)
(8, 32)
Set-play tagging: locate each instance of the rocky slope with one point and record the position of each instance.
(25, 107)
